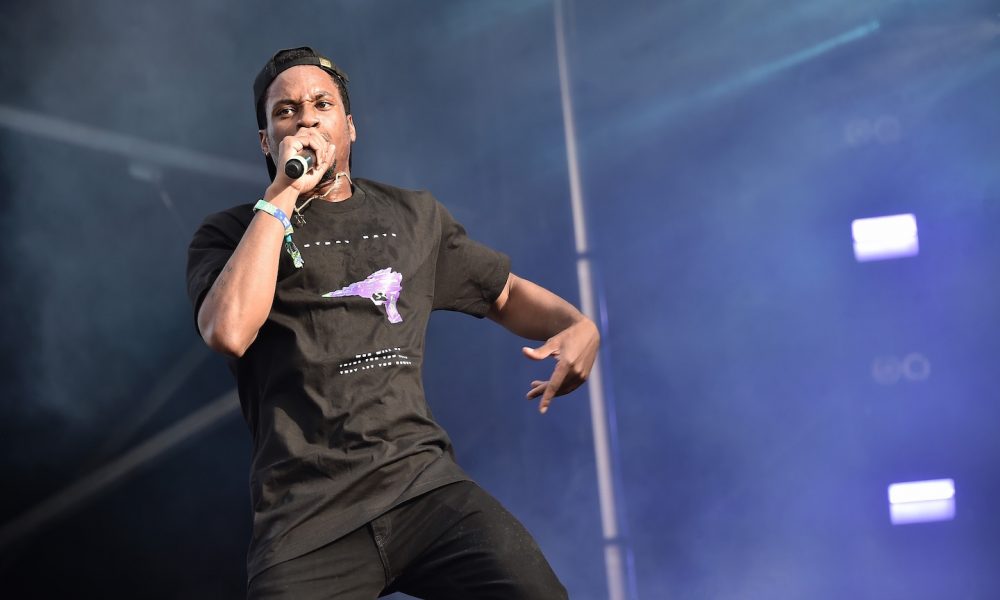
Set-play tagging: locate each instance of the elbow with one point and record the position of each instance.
(225, 339)
(233, 346)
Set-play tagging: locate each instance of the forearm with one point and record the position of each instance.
(533, 312)
(239, 301)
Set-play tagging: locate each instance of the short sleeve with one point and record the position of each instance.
(210, 249)
(469, 276)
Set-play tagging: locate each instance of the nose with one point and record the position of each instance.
(308, 115)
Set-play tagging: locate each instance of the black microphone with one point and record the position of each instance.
(297, 165)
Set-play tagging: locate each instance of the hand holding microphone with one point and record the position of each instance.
(297, 165)
(303, 158)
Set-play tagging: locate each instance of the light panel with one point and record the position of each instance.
(922, 501)
(884, 238)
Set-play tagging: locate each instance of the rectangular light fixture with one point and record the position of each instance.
(884, 238)
(922, 501)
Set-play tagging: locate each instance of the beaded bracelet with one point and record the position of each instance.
(280, 215)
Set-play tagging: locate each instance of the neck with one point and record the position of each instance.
(335, 190)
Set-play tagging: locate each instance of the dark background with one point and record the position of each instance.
(725, 149)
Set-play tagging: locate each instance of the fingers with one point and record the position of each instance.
(537, 387)
(318, 144)
(544, 351)
(322, 148)
(546, 389)
(308, 139)
(555, 382)
(564, 380)
(575, 349)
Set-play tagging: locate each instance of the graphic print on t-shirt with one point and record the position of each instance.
(387, 357)
(381, 287)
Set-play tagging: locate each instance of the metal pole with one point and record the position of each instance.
(617, 553)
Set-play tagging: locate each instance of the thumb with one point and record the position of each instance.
(542, 352)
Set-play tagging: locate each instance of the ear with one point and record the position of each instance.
(265, 147)
(351, 129)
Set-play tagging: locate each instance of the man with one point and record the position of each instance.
(321, 298)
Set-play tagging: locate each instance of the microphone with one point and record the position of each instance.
(297, 165)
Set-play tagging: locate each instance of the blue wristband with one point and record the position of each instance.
(280, 215)
(275, 212)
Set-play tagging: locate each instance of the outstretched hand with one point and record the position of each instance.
(575, 350)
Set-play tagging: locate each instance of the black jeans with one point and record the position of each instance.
(454, 542)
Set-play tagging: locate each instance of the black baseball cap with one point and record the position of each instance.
(286, 59)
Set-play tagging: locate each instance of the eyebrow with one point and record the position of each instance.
(316, 96)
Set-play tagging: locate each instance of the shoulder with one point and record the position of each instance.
(230, 223)
(239, 215)
(420, 198)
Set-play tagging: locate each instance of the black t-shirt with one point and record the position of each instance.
(331, 387)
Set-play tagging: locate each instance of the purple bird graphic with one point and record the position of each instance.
(381, 287)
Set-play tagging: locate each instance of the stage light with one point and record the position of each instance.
(922, 501)
(884, 238)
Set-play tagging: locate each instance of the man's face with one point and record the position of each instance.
(305, 96)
